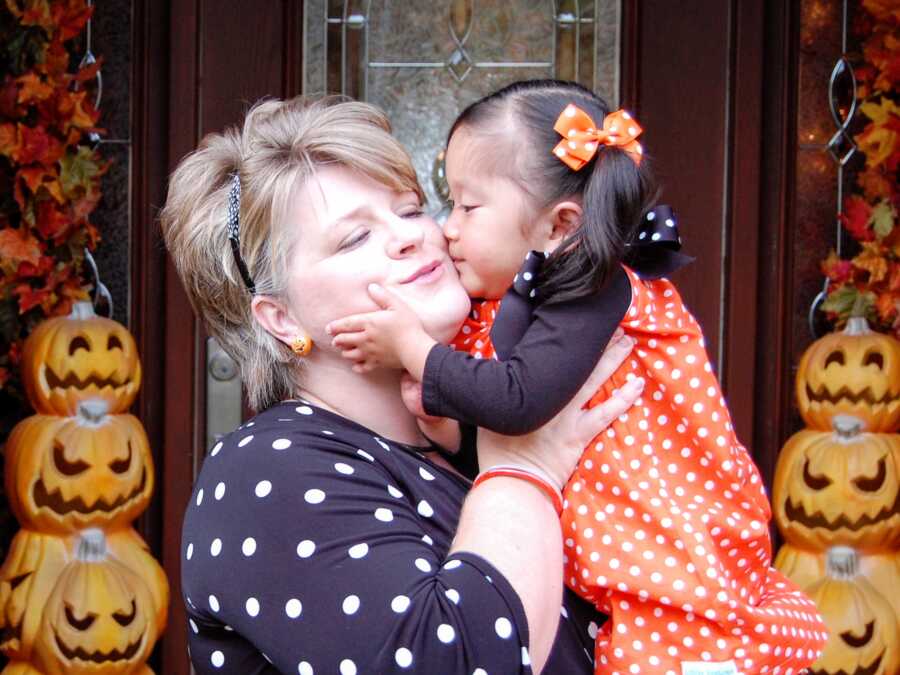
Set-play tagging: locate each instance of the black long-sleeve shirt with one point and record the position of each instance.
(311, 545)
(547, 352)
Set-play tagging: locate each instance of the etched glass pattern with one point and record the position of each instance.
(423, 62)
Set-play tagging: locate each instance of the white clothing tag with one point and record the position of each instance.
(708, 668)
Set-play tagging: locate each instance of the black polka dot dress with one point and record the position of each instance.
(311, 545)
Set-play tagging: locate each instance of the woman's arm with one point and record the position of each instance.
(513, 524)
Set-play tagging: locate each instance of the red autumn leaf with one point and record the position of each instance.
(51, 222)
(855, 218)
(72, 19)
(42, 269)
(837, 270)
(30, 297)
(9, 93)
(36, 145)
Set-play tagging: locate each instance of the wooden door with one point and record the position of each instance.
(696, 87)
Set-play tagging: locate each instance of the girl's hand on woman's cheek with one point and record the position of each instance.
(392, 337)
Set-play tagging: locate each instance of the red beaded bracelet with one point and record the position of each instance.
(526, 475)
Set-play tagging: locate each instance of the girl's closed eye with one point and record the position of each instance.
(354, 240)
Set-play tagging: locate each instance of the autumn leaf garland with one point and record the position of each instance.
(49, 174)
(869, 283)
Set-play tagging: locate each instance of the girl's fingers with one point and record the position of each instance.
(353, 355)
(347, 340)
(349, 324)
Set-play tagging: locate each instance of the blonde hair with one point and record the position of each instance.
(277, 150)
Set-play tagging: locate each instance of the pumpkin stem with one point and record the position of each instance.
(93, 410)
(846, 426)
(91, 546)
(841, 562)
(82, 310)
(857, 325)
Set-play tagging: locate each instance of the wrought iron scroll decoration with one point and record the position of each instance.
(100, 296)
(841, 147)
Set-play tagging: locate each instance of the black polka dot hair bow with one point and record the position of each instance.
(655, 250)
(525, 282)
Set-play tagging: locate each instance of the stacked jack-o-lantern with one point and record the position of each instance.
(79, 590)
(836, 497)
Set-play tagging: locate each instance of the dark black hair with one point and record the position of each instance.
(615, 191)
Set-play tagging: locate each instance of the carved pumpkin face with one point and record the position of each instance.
(64, 474)
(854, 372)
(832, 488)
(27, 577)
(861, 624)
(127, 546)
(99, 618)
(78, 357)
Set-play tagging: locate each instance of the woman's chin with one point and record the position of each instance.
(444, 316)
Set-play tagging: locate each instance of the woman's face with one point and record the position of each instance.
(353, 232)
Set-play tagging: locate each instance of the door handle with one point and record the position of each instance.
(223, 392)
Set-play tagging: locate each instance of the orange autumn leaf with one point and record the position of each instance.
(33, 88)
(872, 261)
(875, 184)
(883, 10)
(76, 111)
(9, 139)
(886, 306)
(880, 138)
(18, 245)
(894, 281)
(36, 177)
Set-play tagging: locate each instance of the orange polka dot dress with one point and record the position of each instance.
(666, 518)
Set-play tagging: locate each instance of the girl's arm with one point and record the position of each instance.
(516, 396)
(553, 359)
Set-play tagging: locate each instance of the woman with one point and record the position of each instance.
(326, 535)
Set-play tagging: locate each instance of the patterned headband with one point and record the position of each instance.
(581, 137)
(234, 226)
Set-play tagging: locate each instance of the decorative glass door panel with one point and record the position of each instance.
(423, 61)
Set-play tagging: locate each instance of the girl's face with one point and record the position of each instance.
(355, 231)
(488, 229)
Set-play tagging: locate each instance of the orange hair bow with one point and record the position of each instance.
(581, 138)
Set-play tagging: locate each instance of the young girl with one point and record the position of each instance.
(665, 517)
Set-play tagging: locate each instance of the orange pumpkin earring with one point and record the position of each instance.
(302, 345)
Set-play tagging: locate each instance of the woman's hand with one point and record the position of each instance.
(554, 449)
(440, 430)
